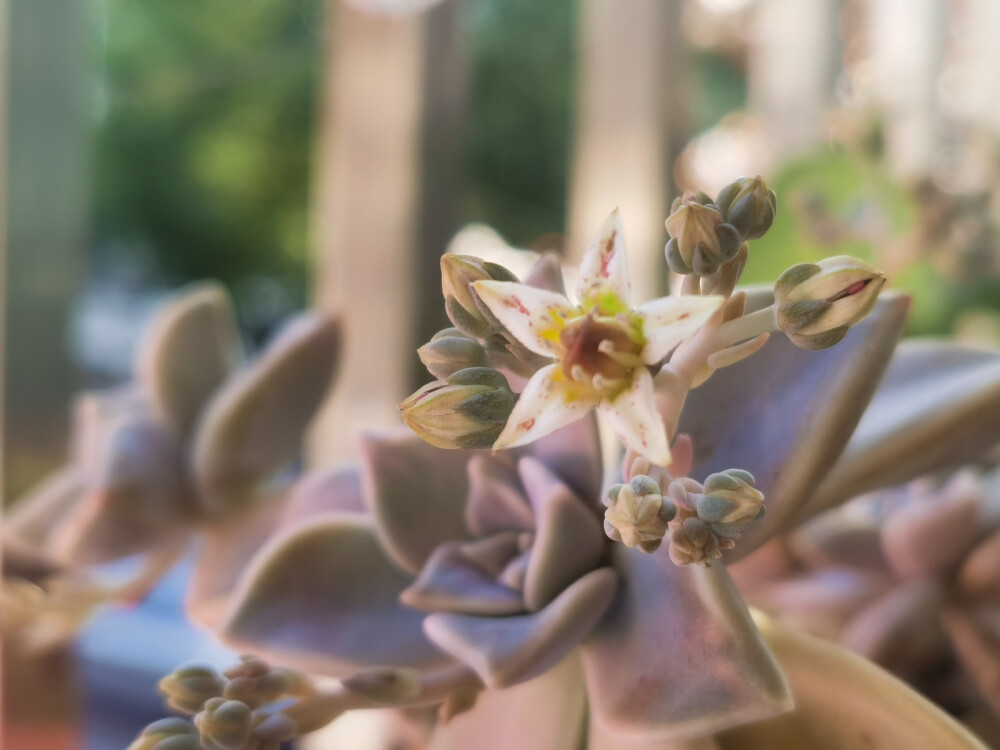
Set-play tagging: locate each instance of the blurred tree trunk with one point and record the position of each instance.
(629, 123)
(385, 204)
(908, 39)
(794, 60)
(45, 231)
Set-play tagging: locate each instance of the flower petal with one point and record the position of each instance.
(667, 321)
(191, 348)
(677, 654)
(505, 651)
(416, 493)
(800, 406)
(545, 405)
(633, 415)
(550, 713)
(256, 423)
(937, 407)
(603, 268)
(533, 316)
(322, 596)
(843, 702)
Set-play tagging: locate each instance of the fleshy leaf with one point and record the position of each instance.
(31, 518)
(451, 582)
(191, 348)
(573, 452)
(845, 536)
(505, 651)
(938, 407)
(975, 633)
(569, 541)
(496, 500)
(416, 493)
(255, 424)
(546, 274)
(804, 407)
(843, 702)
(322, 596)
(547, 713)
(677, 654)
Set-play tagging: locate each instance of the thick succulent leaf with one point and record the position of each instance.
(574, 454)
(843, 537)
(21, 560)
(938, 407)
(496, 500)
(323, 597)
(975, 633)
(416, 493)
(192, 347)
(255, 424)
(677, 654)
(844, 702)
(229, 544)
(96, 415)
(785, 414)
(569, 541)
(598, 738)
(547, 713)
(452, 582)
(901, 629)
(139, 497)
(505, 651)
(32, 517)
(547, 274)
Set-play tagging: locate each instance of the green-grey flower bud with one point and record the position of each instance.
(450, 351)
(693, 542)
(188, 687)
(731, 502)
(256, 683)
(167, 734)
(700, 239)
(818, 302)
(467, 410)
(749, 205)
(637, 514)
(225, 724)
(461, 303)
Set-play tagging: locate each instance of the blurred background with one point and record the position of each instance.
(326, 152)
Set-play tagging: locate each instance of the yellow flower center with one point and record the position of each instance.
(601, 351)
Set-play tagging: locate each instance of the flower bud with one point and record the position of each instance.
(637, 514)
(731, 502)
(188, 687)
(693, 542)
(818, 302)
(450, 351)
(700, 239)
(749, 205)
(167, 734)
(386, 685)
(467, 410)
(460, 300)
(225, 724)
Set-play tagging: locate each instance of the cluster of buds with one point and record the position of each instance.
(705, 235)
(818, 302)
(703, 520)
(466, 410)
(230, 709)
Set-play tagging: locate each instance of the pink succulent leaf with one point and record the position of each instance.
(32, 517)
(845, 536)
(975, 633)
(496, 500)
(416, 493)
(547, 274)
(505, 651)
(192, 347)
(255, 424)
(573, 453)
(677, 654)
(569, 541)
(604, 268)
(451, 581)
(228, 545)
(137, 497)
(937, 408)
(805, 405)
(322, 596)
(550, 713)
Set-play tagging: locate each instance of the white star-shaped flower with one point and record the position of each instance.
(603, 348)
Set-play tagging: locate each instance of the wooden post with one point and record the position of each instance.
(793, 67)
(365, 216)
(629, 100)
